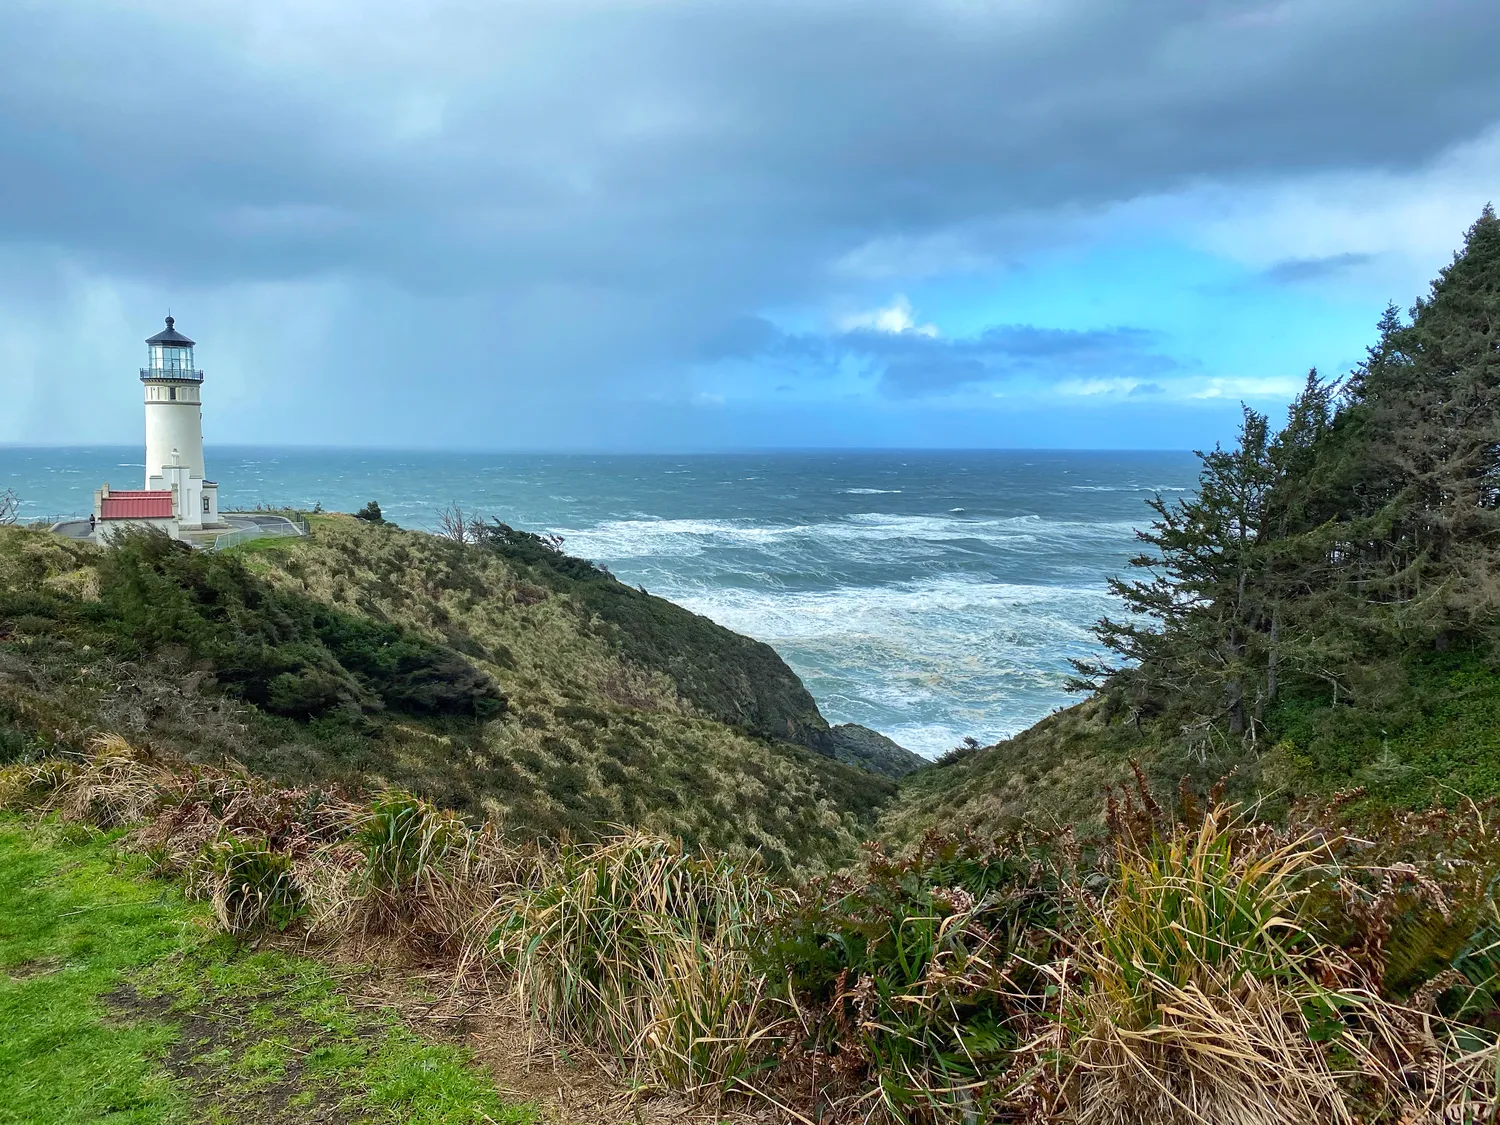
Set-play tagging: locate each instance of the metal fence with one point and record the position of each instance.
(284, 529)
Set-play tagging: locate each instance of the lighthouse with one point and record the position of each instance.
(177, 497)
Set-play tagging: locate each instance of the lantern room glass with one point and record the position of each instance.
(166, 358)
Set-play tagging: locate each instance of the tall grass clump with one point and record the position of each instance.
(113, 786)
(406, 841)
(251, 885)
(640, 948)
(1201, 993)
(414, 857)
(1214, 979)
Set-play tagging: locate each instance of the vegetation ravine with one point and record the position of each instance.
(1323, 614)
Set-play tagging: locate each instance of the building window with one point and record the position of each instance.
(205, 503)
(172, 393)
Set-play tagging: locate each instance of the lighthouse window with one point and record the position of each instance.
(205, 503)
(172, 393)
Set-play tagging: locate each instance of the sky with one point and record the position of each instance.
(686, 225)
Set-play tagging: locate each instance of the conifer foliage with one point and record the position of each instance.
(1318, 557)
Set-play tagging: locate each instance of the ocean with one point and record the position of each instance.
(933, 596)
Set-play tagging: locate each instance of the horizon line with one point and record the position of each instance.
(603, 451)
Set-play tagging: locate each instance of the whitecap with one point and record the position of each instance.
(926, 662)
(649, 537)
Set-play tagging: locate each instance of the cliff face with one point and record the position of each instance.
(497, 677)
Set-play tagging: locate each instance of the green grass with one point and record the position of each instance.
(119, 1004)
(265, 545)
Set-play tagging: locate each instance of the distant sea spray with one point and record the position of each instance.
(932, 596)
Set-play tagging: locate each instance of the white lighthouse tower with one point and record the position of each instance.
(177, 497)
(174, 428)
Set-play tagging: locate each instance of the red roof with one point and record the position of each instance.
(153, 505)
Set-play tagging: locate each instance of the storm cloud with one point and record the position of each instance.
(572, 201)
(1292, 270)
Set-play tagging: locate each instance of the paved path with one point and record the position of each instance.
(236, 521)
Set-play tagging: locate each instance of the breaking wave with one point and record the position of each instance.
(929, 628)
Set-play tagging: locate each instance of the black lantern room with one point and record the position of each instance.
(170, 356)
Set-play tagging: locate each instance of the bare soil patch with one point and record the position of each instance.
(237, 1071)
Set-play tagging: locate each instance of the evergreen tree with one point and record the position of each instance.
(1194, 633)
(1368, 525)
(1412, 475)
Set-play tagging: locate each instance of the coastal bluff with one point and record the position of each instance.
(497, 676)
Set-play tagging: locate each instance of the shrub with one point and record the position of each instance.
(1415, 901)
(278, 649)
(1196, 967)
(914, 976)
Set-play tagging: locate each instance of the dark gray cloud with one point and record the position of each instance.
(915, 378)
(585, 143)
(1293, 270)
(591, 195)
(917, 366)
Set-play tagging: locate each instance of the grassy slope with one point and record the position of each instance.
(1433, 733)
(589, 739)
(118, 1004)
(1054, 772)
(723, 675)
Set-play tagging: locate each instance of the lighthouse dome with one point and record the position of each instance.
(170, 337)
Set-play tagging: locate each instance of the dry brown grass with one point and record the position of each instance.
(112, 787)
(639, 947)
(1199, 991)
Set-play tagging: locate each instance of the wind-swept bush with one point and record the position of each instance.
(288, 654)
